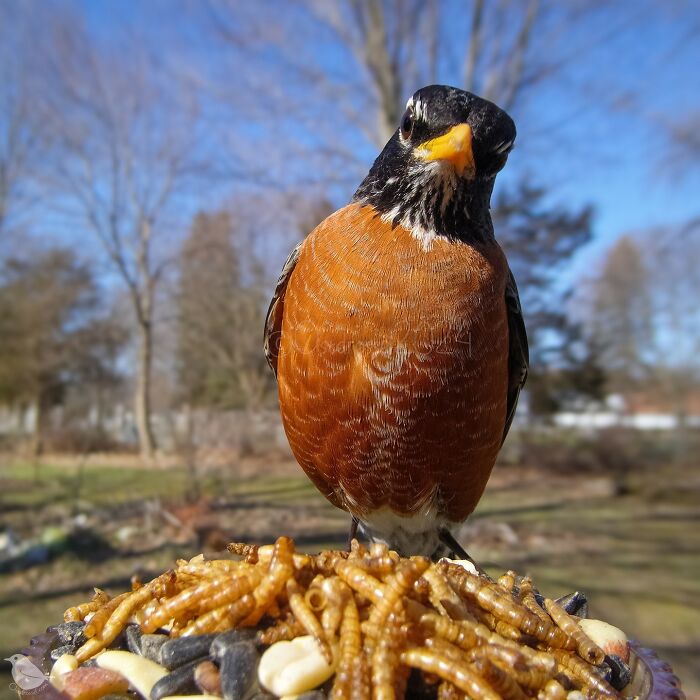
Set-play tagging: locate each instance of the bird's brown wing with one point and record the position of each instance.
(518, 352)
(273, 320)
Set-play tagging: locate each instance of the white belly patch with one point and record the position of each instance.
(417, 534)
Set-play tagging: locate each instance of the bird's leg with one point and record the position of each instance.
(353, 531)
(448, 539)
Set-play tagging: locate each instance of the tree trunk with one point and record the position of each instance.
(142, 399)
(37, 446)
(189, 442)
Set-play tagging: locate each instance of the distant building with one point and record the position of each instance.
(639, 410)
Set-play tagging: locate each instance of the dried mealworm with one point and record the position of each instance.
(380, 549)
(540, 659)
(299, 560)
(330, 622)
(359, 580)
(228, 589)
(213, 569)
(148, 609)
(442, 646)
(443, 596)
(553, 690)
(415, 610)
(513, 661)
(120, 616)
(493, 624)
(98, 620)
(582, 672)
(218, 591)
(248, 551)
(325, 562)
(284, 629)
(499, 679)
(396, 587)
(80, 611)
(505, 608)
(273, 609)
(337, 593)
(421, 591)
(507, 581)
(493, 599)
(100, 596)
(527, 598)
(307, 619)
(463, 634)
(350, 648)
(357, 549)
(316, 598)
(447, 691)
(361, 686)
(281, 568)
(380, 561)
(219, 619)
(458, 674)
(164, 585)
(585, 646)
(384, 662)
(510, 655)
(376, 566)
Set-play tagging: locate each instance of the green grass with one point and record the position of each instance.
(24, 486)
(635, 556)
(97, 485)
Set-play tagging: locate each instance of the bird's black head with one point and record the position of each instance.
(436, 173)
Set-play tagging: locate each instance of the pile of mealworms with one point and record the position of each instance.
(378, 617)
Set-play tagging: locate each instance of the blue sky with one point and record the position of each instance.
(627, 173)
(593, 136)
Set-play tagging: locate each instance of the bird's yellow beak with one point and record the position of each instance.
(454, 146)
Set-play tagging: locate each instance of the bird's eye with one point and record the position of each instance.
(407, 122)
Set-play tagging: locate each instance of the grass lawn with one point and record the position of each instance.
(635, 556)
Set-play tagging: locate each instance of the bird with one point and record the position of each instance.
(396, 332)
(26, 675)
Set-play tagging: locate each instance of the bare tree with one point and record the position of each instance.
(621, 313)
(347, 69)
(21, 134)
(349, 66)
(642, 311)
(682, 156)
(387, 48)
(684, 135)
(127, 152)
(673, 353)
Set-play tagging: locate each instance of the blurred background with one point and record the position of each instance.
(158, 161)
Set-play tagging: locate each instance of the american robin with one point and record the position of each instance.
(396, 332)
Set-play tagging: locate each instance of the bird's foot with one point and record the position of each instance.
(456, 551)
(353, 532)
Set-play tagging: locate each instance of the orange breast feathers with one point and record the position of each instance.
(393, 366)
